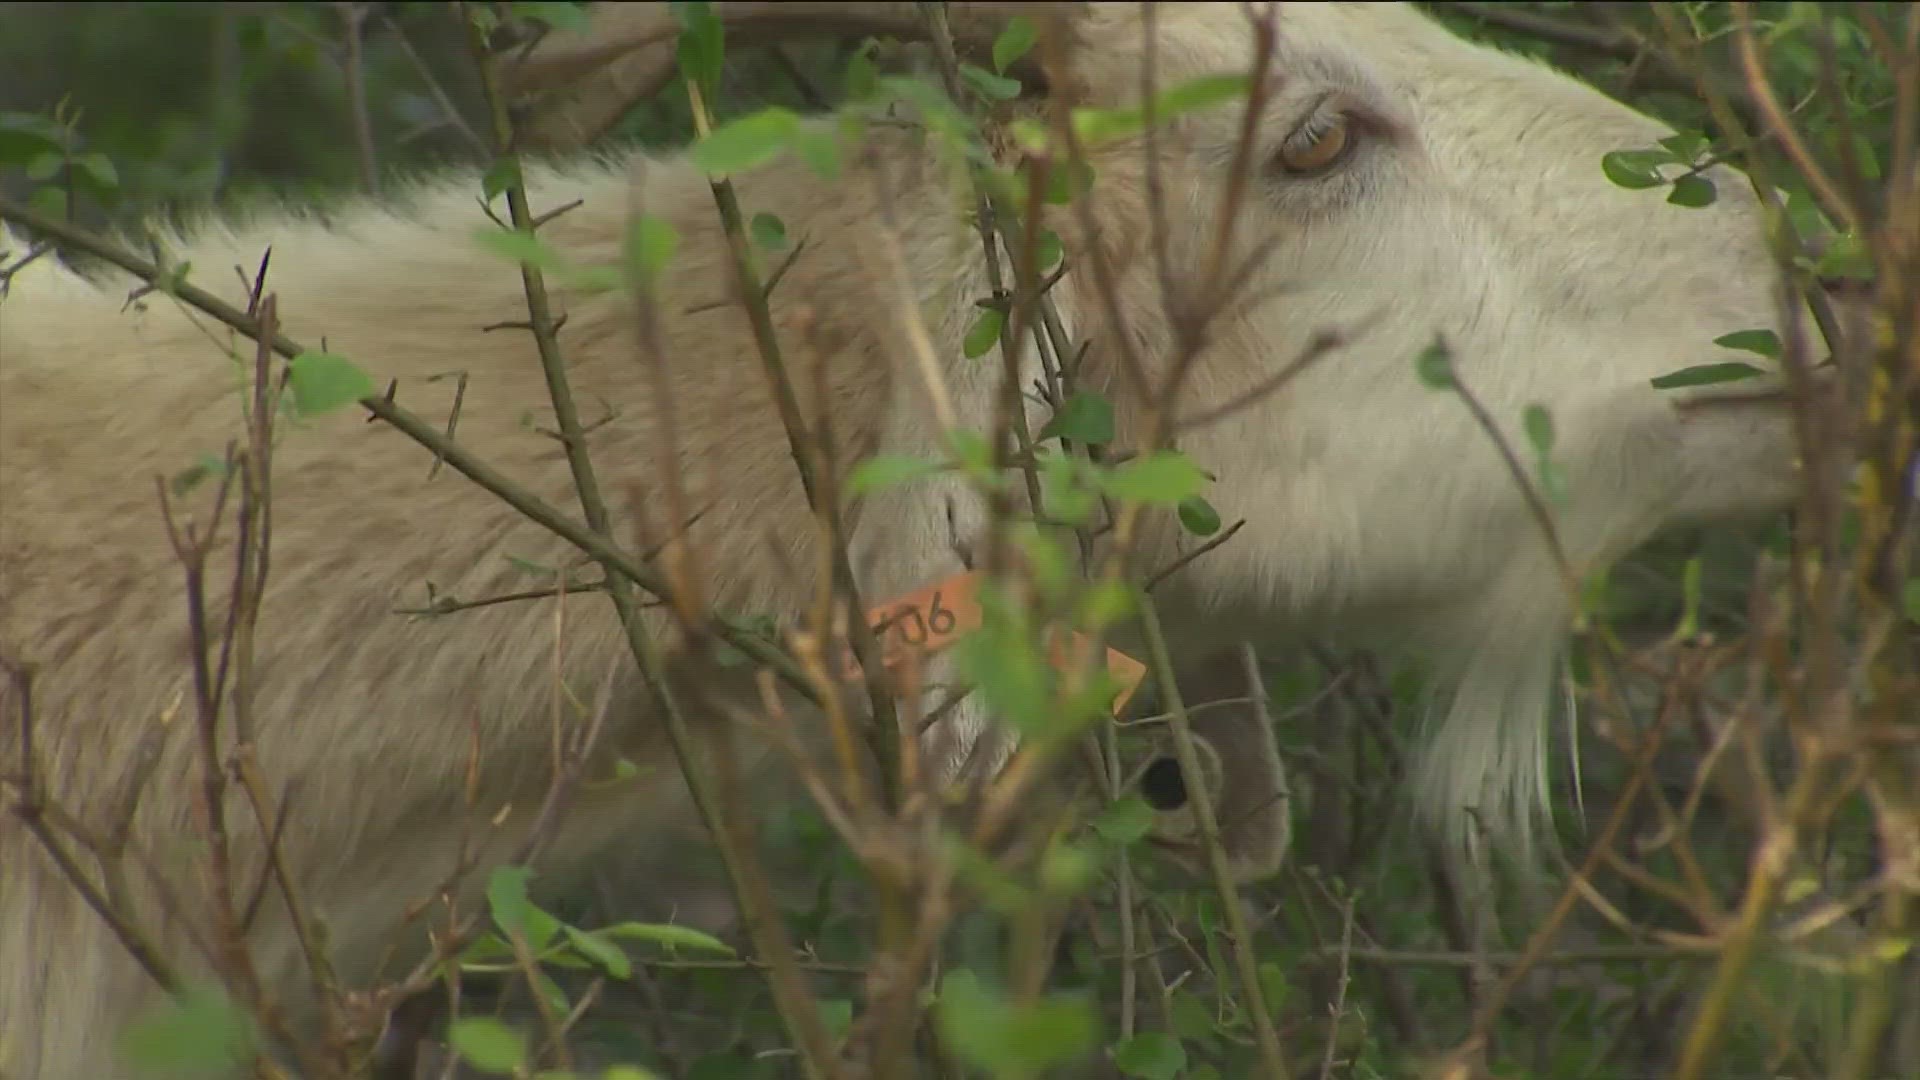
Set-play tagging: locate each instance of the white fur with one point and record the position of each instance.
(1378, 512)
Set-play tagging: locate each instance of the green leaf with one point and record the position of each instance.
(503, 174)
(520, 246)
(651, 243)
(1434, 366)
(1085, 418)
(888, 470)
(487, 1044)
(836, 1015)
(46, 165)
(1685, 146)
(98, 169)
(1107, 602)
(1632, 168)
(1126, 820)
(600, 951)
(1003, 662)
(1048, 252)
(1764, 342)
(1067, 868)
(988, 85)
(560, 16)
(51, 201)
(1164, 476)
(1095, 126)
(862, 78)
(1015, 39)
(819, 149)
(1692, 191)
(23, 135)
(670, 935)
(200, 1032)
(746, 142)
(991, 1033)
(1910, 600)
(769, 231)
(507, 897)
(322, 382)
(1539, 426)
(1707, 375)
(984, 334)
(1553, 480)
(1151, 1055)
(702, 45)
(1066, 181)
(1198, 516)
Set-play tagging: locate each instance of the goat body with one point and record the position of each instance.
(1470, 206)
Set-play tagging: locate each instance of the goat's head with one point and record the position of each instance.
(1405, 187)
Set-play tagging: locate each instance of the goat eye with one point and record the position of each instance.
(1317, 147)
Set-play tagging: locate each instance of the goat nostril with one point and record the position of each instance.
(1163, 785)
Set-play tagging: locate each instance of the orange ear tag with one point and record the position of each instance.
(932, 618)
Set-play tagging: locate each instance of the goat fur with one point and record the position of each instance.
(1378, 512)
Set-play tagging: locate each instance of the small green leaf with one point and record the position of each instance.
(1107, 602)
(322, 382)
(651, 242)
(819, 149)
(1151, 1055)
(1015, 39)
(670, 935)
(200, 1032)
(98, 168)
(1764, 342)
(23, 135)
(1095, 126)
(1686, 146)
(1434, 366)
(1068, 868)
(746, 142)
(507, 897)
(1048, 252)
(1126, 820)
(1553, 480)
(1068, 180)
(984, 334)
(888, 470)
(600, 951)
(1085, 418)
(1695, 191)
(862, 78)
(1164, 476)
(487, 1044)
(520, 246)
(769, 231)
(702, 44)
(504, 174)
(1707, 375)
(1539, 425)
(1198, 516)
(51, 201)
(1910, 600)
(560, 16)
(1632, 169)
(989, 1032)
(45, 165)
(836, 1015)
(988, 85)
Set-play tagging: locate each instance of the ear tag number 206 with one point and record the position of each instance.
(933, 618)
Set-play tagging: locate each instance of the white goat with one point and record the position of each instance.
(1445, 187)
